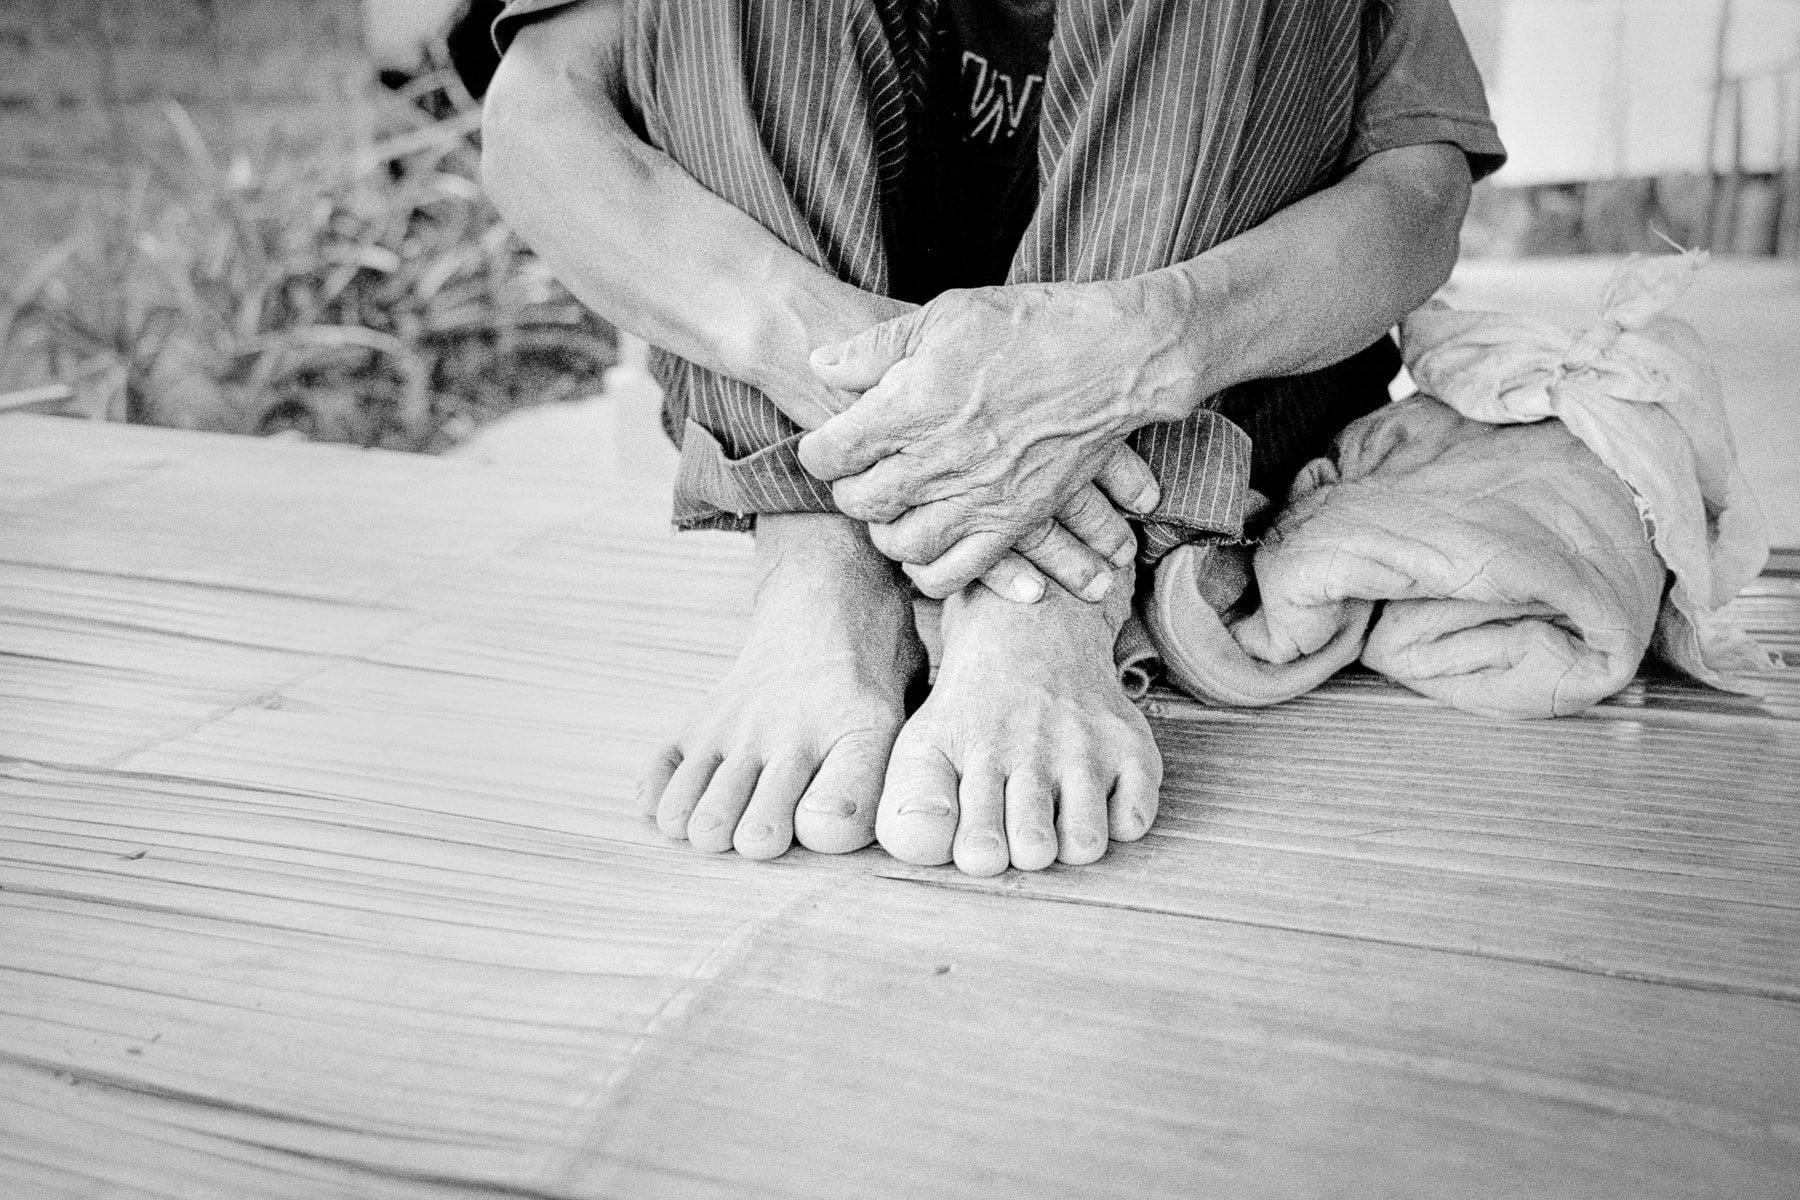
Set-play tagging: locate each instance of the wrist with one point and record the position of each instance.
(1176, 315)
(801, 309)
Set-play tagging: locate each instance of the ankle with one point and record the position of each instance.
(976, 622)
(819, 579)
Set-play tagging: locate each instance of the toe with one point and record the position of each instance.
(686, 785)
(837, 810)
(1134, 800)
(981, 830)
(767, 827)
(917, 819)
(715, 818)
(1081, 828)
(1030, 817)
(653, 780)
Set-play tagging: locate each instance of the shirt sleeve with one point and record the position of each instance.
(482, 33)
(1421, 85)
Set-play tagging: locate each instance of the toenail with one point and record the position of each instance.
(760, 833)
(1099, 587)
(1037, 835)
(926, 808)
(1087, 839)
(829, 806)
(982, 841)
(706, 821)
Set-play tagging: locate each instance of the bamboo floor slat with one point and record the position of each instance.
(319, 876)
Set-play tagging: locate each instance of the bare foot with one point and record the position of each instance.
(794, 742)
(1027, 750)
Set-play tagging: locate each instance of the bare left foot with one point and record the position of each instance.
(1027, 750)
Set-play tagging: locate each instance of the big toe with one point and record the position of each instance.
(837, 812)
(916, 822)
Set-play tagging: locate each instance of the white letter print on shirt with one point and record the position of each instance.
(996, 104)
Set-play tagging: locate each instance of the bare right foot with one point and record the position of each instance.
(793, 745)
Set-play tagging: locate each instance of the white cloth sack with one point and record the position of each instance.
(1516, 518)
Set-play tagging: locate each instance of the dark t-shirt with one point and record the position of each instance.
(971, 180)
(971, 177)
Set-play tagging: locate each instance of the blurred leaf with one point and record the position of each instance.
(212, 296)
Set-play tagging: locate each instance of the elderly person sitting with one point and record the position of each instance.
(941, 292)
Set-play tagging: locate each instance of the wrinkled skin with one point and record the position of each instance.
(989, 410)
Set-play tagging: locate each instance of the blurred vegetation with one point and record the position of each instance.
(376, 300)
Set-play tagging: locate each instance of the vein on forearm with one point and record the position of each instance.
(1323, 278)
(638, 239)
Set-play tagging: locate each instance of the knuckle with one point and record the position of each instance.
(884, 539)
(1113, 527)
(1034, 538)
(909, 543)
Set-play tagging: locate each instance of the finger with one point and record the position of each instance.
(1062, 557)
(1014, 578)
(900, 482)
(856, 439)
(858, 364)
(884, 492)
(1127, 479)
(968, 560)
(1092, 518)
(923, 535)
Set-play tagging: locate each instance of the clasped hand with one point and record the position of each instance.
(994, 418)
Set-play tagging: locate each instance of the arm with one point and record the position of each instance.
(636, 238)
(1006, 398)
(640, 241)
(1313, 284)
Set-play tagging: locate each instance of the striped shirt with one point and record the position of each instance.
(1167, 127)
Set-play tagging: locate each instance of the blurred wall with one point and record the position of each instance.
(1612, 89)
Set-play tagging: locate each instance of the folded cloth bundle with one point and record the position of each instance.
(1509, 541)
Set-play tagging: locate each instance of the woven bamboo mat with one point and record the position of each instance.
(319, 877)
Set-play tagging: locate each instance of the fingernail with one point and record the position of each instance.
(926, 807)
(706, 821)
(1124, 554)
(831, 806)
(1147, 499)
(827, 356)
(1027, 590)
(1099, 587)
(760, 832)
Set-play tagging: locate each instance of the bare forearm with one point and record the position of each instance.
(638, 239)
(1316, 282)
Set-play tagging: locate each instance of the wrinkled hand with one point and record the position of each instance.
(1076, 549)
(987, 413)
